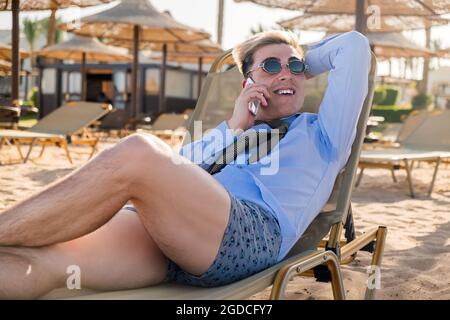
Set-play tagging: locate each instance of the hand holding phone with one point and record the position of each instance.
(253, 106)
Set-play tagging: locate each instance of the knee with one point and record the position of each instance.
(134, 151)
(143, 147)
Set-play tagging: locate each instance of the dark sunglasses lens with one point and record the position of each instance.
(297, 66)
(272, 66)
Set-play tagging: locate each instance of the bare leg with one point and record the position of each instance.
(183, 208)
(26, 272)
(71, 207)
(119, 255)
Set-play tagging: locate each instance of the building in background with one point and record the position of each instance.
(439, 87)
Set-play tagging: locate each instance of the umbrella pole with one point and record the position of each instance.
(200, 71)
(220, 22)
(83, 77)
(27, 75)
(162, 85)
(134, 73)
(390, 67)
(361, 18)
(67, 95)
(426, 63)
(15, 54)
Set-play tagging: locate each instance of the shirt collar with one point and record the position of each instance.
(290, 118)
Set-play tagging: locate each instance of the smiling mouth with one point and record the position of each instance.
(285, 92)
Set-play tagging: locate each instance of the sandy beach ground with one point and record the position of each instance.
(416, 263)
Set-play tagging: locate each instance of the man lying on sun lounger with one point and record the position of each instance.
(189, 226)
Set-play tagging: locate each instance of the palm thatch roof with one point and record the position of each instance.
(74, 48)
(205, 46)
(118, 23)
(5, 65)
(345, 22)
(395, 45)
(207, 58)
(34, 5)
(5, 52)
(443, 53)
(397, 7)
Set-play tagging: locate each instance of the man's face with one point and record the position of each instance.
(281, 103)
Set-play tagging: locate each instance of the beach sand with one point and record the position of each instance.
(416, 262)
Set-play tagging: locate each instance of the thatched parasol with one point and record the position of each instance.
(82, 49)
(202, 51)
(205, 46)
(207, 58)
(137, 21)
(5, 65)
(358, 8)
(35, 5)
(397, 7)
(118, 23)
(443, 53)
(200, 58)
(361, 10)
(90, 48)
(32, 5)
(395, 45)
(345, 22)
(388, 45)
(6, 52)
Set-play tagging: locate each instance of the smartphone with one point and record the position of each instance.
(253, 106)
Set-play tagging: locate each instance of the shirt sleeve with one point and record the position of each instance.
(204, 151)
(347, 58)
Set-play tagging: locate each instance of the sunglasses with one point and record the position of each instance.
(274, 66)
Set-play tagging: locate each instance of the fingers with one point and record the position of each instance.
(257, 96)
(257, 92)
(242, 117)
(259, 88)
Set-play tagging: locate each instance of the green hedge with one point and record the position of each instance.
(379, 96)
(392, 95)
(421, 101)
(386, 95)
(390, 113)
(33, 97)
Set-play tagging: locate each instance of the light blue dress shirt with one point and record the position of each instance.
(313, 151)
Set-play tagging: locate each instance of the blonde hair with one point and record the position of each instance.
(243, 52)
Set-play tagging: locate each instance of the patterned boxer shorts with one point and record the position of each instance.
(250, 244)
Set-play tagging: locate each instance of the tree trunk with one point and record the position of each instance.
(51, 28)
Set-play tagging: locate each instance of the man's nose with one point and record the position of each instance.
(285, 73)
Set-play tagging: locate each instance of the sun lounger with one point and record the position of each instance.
(170, 126)
(424, 137)
(314, 254)
(9, 117)
(59, 126)
(117, 123)
(394, 133)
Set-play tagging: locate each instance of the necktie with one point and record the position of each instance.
(263, 140)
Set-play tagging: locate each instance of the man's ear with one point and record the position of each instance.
(244, 81)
